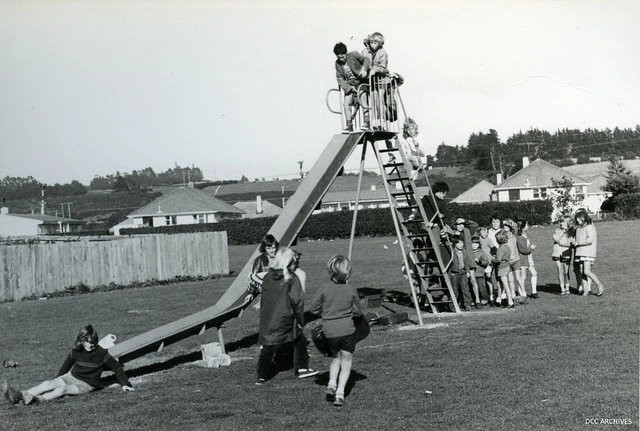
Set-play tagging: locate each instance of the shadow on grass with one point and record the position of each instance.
(248, 341)
(323, 380)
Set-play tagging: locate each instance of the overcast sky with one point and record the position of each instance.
(238, 87)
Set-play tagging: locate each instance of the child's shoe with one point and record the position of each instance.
(12, 395)
(330, 393)
(27, 398)
(534, 296)
(348, 128)
(339, 401)
(260, 381)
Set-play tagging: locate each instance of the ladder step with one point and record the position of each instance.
(422, 249)
(437, 289)
(442, 302)
(412, 221)
(387, 150)
(393, 165)
(397, 179)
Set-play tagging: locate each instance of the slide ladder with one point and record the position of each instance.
(432, 257)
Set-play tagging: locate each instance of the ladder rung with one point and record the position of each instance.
(394, 165)
(422, 249)
(387, 150)
(397, 179)
(412, 221)
(442, 302)
(432, 289)
(403, 194)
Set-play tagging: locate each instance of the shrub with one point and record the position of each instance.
(627, 205)
(370, 222)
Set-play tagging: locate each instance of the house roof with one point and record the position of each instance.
(538, 174)
(185, 201)
(481, 192)
(47, 218)
(585, 170)
(379, 194)
(249, 207)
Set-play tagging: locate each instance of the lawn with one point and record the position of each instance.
(553, 363)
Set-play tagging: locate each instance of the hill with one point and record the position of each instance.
(103, 209)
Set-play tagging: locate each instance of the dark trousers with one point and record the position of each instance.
(460, 285)
(482, 285)
(277, 357)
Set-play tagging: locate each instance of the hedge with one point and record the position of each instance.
(371, 222)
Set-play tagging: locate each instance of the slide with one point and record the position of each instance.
(295, 213)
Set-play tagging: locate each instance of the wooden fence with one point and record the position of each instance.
(37, 269)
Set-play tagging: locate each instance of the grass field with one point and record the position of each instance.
(554, 363)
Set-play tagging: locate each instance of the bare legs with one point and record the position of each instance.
(52, 389)
(339, 372)
(563, 276)
(590, 275)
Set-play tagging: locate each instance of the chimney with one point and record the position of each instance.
(525, 162)
(4, 211)
(498, 179)
(258, 204)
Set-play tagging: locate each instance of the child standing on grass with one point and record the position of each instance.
(586, 244)
(79, 374)
(281, 312)
(525, 248)
(338, 304)
(502, 266)
(482, 262)
(509, 227)
(489, 252)
(458, 273)
(561, 253)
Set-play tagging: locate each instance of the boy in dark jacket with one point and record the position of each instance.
(351, 71)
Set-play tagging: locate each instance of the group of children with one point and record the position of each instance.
(354, 69)
(489, 264)
(277, 277)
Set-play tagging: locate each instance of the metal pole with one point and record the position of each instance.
(355, 210)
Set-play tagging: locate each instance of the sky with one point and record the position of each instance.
(238, 87)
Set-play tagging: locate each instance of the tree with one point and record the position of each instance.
(563, 197)
(244, 179)
(620, 179)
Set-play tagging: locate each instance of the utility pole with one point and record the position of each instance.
(42, 199)
(300, 162)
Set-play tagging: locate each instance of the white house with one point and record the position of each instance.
(533, 182)
(374, 197)
(35, 224)
(258, 208)
(179, 207)
(479, 193)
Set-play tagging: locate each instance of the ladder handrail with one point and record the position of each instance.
(327, 100)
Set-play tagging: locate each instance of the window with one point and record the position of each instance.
(514, 195)
(170, 220)
(540, 193)
(200, 218)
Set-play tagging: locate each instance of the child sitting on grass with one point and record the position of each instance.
(338, 304)
(80, 373)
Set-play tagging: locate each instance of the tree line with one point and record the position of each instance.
(485, 151)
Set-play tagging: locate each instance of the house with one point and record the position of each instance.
(533, 182)
(35, 224)
(179, 207)
(374, 197)
(258, 208)
(479, 193)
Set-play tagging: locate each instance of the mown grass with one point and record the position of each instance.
(549, 364)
